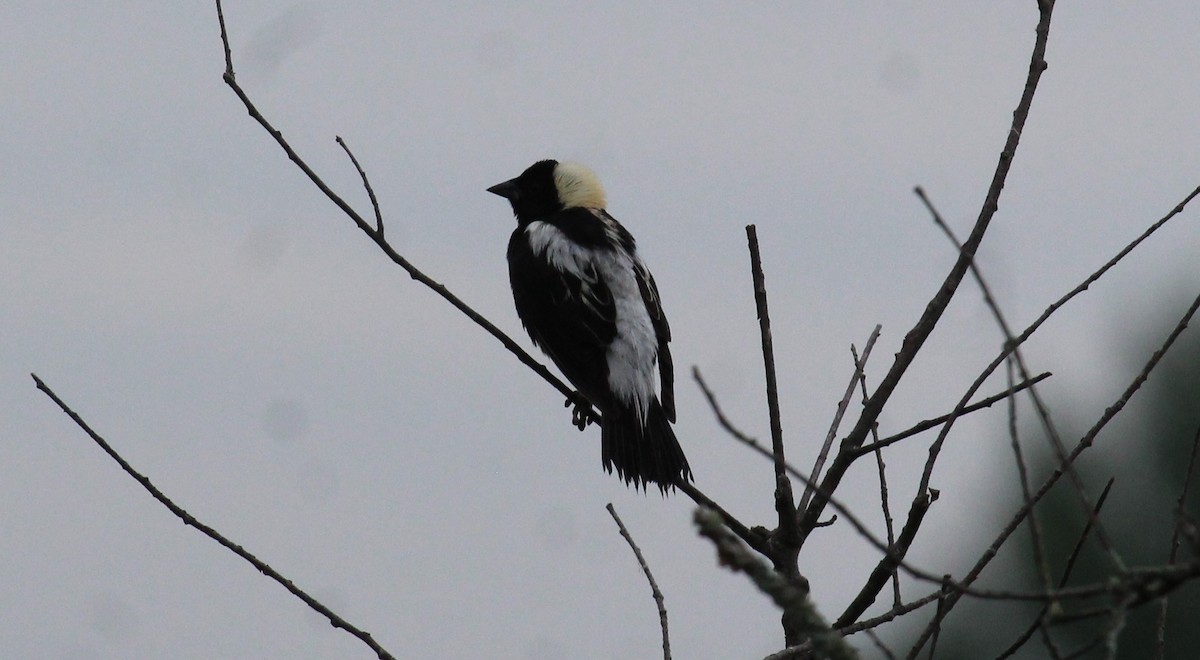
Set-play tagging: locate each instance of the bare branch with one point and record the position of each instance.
(892, 614)
(859, 526)
(892, 559)
(1035, 530)
(1033, 327)
(925, 425)
(722, 420)
(855, 378)
(1084, 443)
(1040, 407)
(804, 479)
(937, 619)
(784, 504)
(367, 185)
(889, 524)
(190, 520)
(658, 597)
(1117, 620)
(1062, 581)
(757, 541)
(937, 305)
(884, 505)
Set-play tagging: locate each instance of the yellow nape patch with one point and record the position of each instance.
(578, 186)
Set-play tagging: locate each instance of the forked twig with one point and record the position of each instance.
(1040, 407)
(366, 184)
(892, 559)
(1082, 445)
(915, 339)
(884, 503)
(376, 233)
(855, 378)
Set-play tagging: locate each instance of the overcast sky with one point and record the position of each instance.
(177, 281)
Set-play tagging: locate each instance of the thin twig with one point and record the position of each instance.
(892, 559)
(1038, 322)
(1157, 580)
(896, 551)
(927, 424)
(1083, 535)
(1040, 407)
(887, 521)
(843, 404)
(376, 234)
(658, 597)
(1037, 546)
(887, 653)
(883, 487)
(938, 616)
(1062, 581)
(784, 504)
(937, 304)
(1133, 589)
(1084, 443)
(804, 479)
(722, 420)
(756, 541)
(1035, 530)
(892, 614)
(367, 185)
(1160, 635)
(749, 536)
(1149, 583)
(190, 520)
(1032, 328)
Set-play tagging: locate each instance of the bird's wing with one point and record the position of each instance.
(569, 313)
(666, 367)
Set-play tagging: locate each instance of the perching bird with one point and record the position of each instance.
(588, 301)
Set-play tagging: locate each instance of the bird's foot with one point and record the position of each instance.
(582, 414)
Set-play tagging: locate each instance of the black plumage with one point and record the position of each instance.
(588, 301)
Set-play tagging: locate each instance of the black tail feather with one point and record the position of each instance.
(643, 454)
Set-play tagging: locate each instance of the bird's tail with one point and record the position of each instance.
(643, 454)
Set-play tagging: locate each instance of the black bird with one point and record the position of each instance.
(589, 302)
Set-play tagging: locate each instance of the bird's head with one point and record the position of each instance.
(549, 186)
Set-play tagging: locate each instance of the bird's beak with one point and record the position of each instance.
(508, 190)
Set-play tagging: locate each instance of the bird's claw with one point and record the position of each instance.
(582, 414)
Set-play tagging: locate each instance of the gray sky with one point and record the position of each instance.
(173, 277)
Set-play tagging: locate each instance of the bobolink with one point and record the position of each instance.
(588, 301)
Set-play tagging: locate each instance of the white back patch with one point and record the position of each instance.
(564, 254)
(633, 354)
